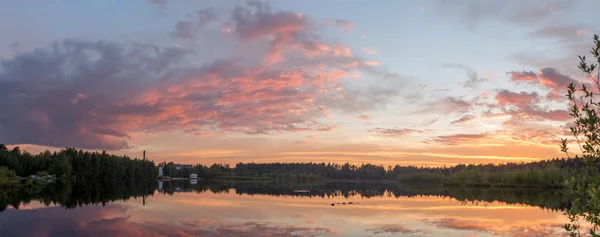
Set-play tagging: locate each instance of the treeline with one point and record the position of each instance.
(547, 173)
(204, 172)
(312, 171)
(287, 171)
(78, 164)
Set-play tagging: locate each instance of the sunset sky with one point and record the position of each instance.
(389, 82)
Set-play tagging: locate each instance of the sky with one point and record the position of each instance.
(427, 83)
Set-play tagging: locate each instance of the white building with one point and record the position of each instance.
(160, 171)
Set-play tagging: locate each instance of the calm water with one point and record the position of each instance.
(277, 209)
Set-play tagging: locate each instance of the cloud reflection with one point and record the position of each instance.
(115, 220)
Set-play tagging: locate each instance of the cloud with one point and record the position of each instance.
(92, 95)
(370, 51)
(521, 99)
(187, 30)
(538, 135)
(340, 23)
(206, 16)
(474, 79)
(464, 119)
(79, 93)
(563, 33)
(284, 27)
(446, 105)
(373, 63)
(548, 78)
(522, 106)
(363, 117)
(394, 132)
(459, 139)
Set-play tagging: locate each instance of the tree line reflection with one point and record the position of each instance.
(551, 199)
(72, 195)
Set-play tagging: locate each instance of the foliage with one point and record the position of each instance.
(7, 177)
(547, 173)
(551, 173)
(5, 173)
(586, 131)
(284, 171)
(78, 164)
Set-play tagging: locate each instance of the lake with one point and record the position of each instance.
(190, 208)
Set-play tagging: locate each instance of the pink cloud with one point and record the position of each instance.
(112, 90)
(119, 89)
(363, 117)
(505, 97)
(547, 77)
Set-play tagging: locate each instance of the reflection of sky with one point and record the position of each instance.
(231, 214)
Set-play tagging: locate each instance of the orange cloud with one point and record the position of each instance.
(373, 63)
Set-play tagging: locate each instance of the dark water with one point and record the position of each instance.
(277, 209)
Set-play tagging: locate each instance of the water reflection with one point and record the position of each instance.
(278, 209)
(553, 199)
